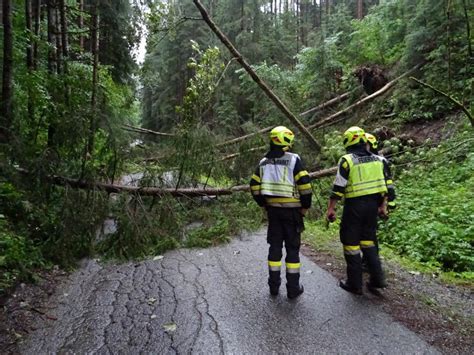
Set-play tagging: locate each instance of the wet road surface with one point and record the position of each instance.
(211, 301)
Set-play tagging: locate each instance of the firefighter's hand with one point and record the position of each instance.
(383, 212)
(331, 215)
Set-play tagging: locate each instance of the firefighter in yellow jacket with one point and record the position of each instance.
(361, 181)
(282, 186)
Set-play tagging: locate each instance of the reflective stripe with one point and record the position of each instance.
(285, 204)
(293, 268)
(304, 187)
(281, 199)
(338, 193)
(368, 182)
(255, 187)
(306, 192)
(277, 176)
(351, 249)
(300, 175)
(288, 202)
(255, 193)
(274, 265)
(367, 243)
(256, 178)
(389, 182)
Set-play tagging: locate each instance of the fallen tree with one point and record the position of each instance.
(157, 191)
(276, 100)
(330, 119)
(328, 103)
(131, 128)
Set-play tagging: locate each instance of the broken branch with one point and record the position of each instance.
(255, 77)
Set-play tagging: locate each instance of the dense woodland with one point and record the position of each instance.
(79, 115)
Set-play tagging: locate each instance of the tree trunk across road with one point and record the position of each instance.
(211, 301)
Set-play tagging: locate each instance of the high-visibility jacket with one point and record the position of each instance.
(366, 176)
(281, 181)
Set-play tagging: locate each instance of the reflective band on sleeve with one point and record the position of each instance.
(256, 178)
(306, 192)
(351, 249)
(304, 187)
(389, 182)
(300, 175)
(340, 194)
(367, 243)
(255, 187)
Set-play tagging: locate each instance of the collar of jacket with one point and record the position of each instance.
(274, 152)
(358, 150)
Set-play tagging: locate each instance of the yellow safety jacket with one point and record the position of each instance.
(366, 176)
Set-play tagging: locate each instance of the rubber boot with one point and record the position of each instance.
(293, 287)
(274, 281)
(377, 278)
(354, 272)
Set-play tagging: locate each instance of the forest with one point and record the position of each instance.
(162, 148)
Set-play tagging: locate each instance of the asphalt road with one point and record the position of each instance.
(211, 301)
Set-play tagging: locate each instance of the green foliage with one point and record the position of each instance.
(142, 230)
(228, 217)
(378, 39)
(432, 222)
(18, 255)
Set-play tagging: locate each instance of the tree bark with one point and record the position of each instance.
(256, 78)
(29, 55)
(146, 131)
(360, 9)
(468, 31)
(81, 25)
(328, 103)
(157, 191)
(52, 57)
(64, 29)
(95, 76)
(29, 30)
(7, 76)
(37, 32)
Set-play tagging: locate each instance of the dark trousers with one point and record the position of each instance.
(284, 228)
(359, 231)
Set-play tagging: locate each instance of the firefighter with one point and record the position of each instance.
(360, 180)
(372, 146)
(282, 186)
